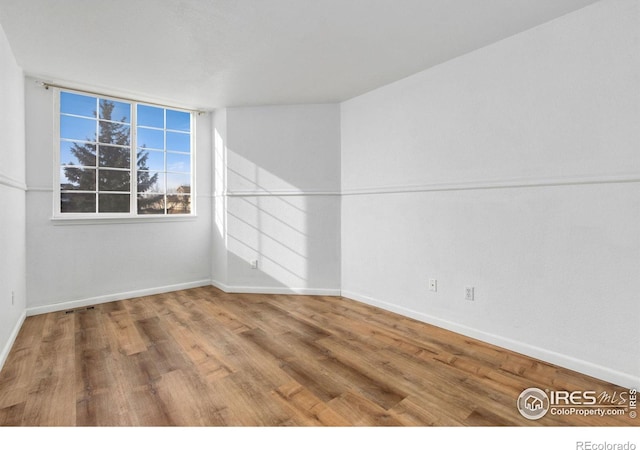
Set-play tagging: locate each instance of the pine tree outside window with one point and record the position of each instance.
(121, 158)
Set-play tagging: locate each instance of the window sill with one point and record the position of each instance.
(84, 220)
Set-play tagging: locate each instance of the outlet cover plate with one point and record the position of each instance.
(469, 293)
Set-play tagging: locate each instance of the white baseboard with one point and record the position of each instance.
(594, 370)
(4, 354)
(114, 297)
(274, 290)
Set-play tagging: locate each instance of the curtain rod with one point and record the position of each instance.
(48, 85)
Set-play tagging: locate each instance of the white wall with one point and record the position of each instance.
(514, 169)
(277, 199)
(71, 264)
(12, 195)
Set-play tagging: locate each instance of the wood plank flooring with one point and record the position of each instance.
(201, 357)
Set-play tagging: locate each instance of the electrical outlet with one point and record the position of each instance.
(13, 298)
(469, 293)
(433, 285)
(254, 263)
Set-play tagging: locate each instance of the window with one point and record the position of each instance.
(122, 158)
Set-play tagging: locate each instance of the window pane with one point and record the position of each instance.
(179, 182)
(180, 142)
(77, 203)
(77, 128)
(97, 172)
(150, 138)
(150, 204)
(150, 116)
(150, 160)
(77, 179)
(116, 111)
(150, 182)
(115, 157)
(178, 162)
(77, 154)
(178, 204)
(115, 203)
(81, 105)
(113, 180)
(178, 120)
(114, 133)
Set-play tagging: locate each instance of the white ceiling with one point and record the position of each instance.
(211, 53)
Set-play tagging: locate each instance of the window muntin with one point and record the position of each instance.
(105, 144)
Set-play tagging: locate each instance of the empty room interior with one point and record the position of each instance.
(319, 213)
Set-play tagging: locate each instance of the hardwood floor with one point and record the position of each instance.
(201, 357)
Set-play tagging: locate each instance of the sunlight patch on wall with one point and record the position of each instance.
(265, 226)
(219, 183)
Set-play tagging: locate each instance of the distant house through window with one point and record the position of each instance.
(123, 158)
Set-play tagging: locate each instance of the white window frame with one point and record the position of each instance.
(132, 215)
